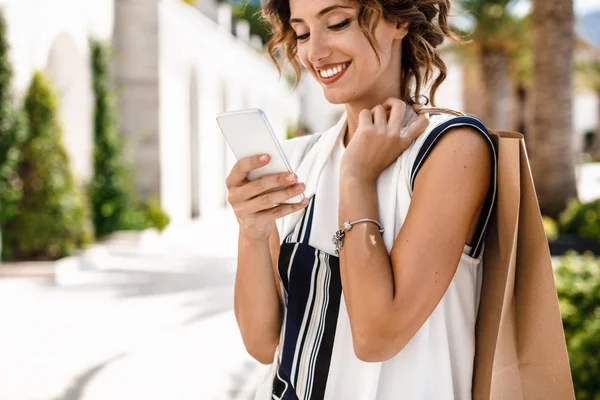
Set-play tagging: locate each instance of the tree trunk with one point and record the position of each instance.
(499, 99)
(551, 133)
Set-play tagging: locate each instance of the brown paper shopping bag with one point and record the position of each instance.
(521, 352)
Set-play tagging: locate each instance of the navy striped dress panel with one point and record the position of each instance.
(323, 360)
(313, 284)
(281, 388)
(425, 150)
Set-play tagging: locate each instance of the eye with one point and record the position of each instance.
(341, 25)
(302, 37)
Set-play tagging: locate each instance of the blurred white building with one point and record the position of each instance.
(176, 68)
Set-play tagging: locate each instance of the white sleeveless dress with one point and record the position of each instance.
(315, 357)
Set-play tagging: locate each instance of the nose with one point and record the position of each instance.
(319, 48)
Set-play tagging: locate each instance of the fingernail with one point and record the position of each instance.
(263, 158)
(291, 178)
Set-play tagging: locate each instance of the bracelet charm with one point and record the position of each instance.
(338, 236)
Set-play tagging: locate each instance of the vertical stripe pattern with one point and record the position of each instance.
(312, 283)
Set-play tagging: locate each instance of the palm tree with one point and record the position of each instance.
(496, 36)
(551, 130)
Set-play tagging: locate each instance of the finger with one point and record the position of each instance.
(268, 182)
(268, 200)
(240, 170)
(398, 108)
(417, 108)
(380, 119)
(416, 128)
(365, 118)
(282, 210)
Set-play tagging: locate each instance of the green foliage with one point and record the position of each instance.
(251, 13)
(114, 204)
(494, 26)
(581, 219)
(51, 222)
(578, 286)
(146, 215)
(550, 227)
(13, 132)
(109, 189)
(589, 72)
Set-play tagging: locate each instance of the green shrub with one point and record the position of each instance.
(550, 227)
(114, 204)
(13, 132)
(147, 215)
(578, 286)
(51, 219)
(109, 190)
(581, 219)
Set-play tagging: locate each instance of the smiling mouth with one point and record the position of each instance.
(332, 72)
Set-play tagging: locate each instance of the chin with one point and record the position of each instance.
(336, 97)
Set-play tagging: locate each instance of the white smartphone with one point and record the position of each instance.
(249, 133)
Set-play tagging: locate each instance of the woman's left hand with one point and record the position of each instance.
(379, 141)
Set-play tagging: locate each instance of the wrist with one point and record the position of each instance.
(356, 178)
(253, 238)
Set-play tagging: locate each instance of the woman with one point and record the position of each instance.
(393, 316)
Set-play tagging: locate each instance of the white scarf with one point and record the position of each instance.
(310, 168)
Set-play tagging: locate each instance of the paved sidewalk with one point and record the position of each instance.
(151, 327)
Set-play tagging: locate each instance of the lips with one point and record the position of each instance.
(332, 72)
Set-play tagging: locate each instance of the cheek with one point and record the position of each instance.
(303, 57)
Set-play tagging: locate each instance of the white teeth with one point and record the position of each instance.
(333, 71)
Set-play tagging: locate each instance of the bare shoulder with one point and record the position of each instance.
(460, 153)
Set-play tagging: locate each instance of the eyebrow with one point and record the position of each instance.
(321, 13)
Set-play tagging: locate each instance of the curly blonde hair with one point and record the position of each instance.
(428, 26)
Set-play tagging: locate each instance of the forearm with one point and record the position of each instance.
(256, 301)
(366, 271)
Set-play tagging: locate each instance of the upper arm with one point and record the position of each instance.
(274, 248)
(449, 189)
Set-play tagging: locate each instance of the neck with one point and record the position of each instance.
(388, 86)
(353, 111)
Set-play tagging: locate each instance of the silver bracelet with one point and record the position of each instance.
(338, 237)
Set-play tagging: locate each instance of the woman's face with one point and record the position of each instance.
(336, 52)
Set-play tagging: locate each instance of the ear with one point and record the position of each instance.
(401, 30)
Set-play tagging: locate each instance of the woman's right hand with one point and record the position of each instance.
(255, 209)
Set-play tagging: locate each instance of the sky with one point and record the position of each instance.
(585, 6)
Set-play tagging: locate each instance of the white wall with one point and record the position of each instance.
(585, 111)
(227, 70)
(450, 93)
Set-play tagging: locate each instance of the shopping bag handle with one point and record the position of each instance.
(439, 110)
